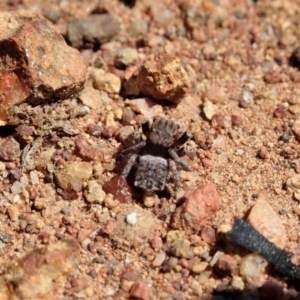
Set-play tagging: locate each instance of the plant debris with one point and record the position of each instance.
(245, 235)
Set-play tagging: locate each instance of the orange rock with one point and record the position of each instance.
(36, 64)
(139, 290)
(198, 209)
(162, 77)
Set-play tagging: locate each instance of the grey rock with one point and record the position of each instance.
(92, 31)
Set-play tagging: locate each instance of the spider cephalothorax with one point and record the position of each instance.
(156, 157)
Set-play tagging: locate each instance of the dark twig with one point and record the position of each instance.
(247, 236)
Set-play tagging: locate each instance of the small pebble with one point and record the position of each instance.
(139, 290)
(201, 250)
(204, 276)
(110, 202)
(145, 106)
(17, 187)
(110, 120)
(66, 210)
(118, 113)
(128, 115)
(208, 109)
(10, 149)
(126, 57)
(98, 169)
(34, 177)
(208, 234)
(215, 95)
(5, 238)
(107, 133)
(149, 200)
(199, 268)
(216, 257)
(40, 203)
(223, 229)
(24, 180)
(174, 235)
(226, 265)
(293, 183)
(237, 282)
(181, 249)
(106, 82)
(247, 99)
(83, 235)
(13, 212)
(131, 218)
(239, 152)
(2, 166)
(94, 130)
(252, 265)
(16, 199)
(159, 259)
(156, 242)
(294, 109)
(138, 28)
(94, 192)
(263, 153)
(170, 264)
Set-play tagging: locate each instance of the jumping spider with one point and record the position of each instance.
(156, 158)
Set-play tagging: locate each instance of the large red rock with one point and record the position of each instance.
(198, 209)
(36, 64)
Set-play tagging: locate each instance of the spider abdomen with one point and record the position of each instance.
(152, 173)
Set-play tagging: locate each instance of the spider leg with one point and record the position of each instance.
(125, 173)
(173, 173)
(146, 127)
(134, 148)
(170, 190)
(183, 139)
(178, 160)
